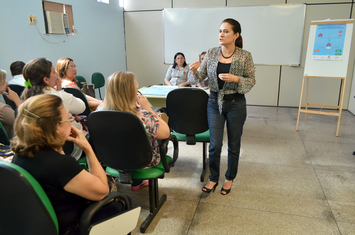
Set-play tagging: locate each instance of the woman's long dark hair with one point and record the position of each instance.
(236, 29)
(34, 71)
(179, 53)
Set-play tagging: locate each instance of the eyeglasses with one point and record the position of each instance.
(69, 120)
(72, 67)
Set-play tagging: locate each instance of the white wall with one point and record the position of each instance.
(99, 45)
(275, 85)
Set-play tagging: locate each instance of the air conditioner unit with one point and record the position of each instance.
(57, 23)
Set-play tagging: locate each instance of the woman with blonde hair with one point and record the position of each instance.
(122, 94)
(42, 126)
(66, 70)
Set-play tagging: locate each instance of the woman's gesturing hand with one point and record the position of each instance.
(143, 101)
(194, 66)
(79, 139)
(227, 77)
(59, 84)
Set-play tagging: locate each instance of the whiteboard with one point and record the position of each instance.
(273, 34)
(328, 68)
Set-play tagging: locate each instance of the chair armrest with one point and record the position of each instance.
(89, 212)
(163, 146)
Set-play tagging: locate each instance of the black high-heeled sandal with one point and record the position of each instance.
(226, 190)
(208, 190)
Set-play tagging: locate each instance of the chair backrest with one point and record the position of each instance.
(25, 207)
(80, 80)
(4, 138)
(119, 140)
(98, 79)
(78, 94)
(16, 88)
(187, 110)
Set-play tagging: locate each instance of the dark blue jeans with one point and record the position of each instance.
(234, 114)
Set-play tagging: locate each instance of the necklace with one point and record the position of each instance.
(227, 56)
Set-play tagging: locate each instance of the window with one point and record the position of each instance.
(53, 11)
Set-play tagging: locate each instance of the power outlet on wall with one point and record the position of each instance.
(32, 19)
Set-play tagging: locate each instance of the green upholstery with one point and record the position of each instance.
(26, 208)
(99, 81)
(143, 174)
(38, 189)
(4, 138)
(121, 143)
(187, 111)
(202, 137)
(80, 80)
(83, 163)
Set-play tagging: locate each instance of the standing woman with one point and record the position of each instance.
(177, 73)
(231, 74)
(66, 70)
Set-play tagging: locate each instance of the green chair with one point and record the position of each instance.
(121, 143)
(99, 81)
(80, 79)
(187, 111)
(26, 209)
(4, 138)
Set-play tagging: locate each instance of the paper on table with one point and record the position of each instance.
(158, 90)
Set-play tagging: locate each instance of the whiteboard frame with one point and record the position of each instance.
(273, 33)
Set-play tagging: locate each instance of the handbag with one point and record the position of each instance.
(88, 89)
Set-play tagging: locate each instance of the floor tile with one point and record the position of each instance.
(331, 155)
(288, 182)
(338, 186)
(174, 218)
(346, 228)
(217, 219)
(274, 151)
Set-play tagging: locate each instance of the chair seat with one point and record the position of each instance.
(202, 137)
(146, 173)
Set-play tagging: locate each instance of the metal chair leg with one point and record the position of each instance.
(100, 94)
(204, 162)
(154, 203)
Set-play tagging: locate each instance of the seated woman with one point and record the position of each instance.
(42, 126)
(66, 70)
(204, 83)
(122, 94)
(41, 78)
(7, 114)
(176, 75)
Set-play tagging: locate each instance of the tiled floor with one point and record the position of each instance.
(288, 182)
